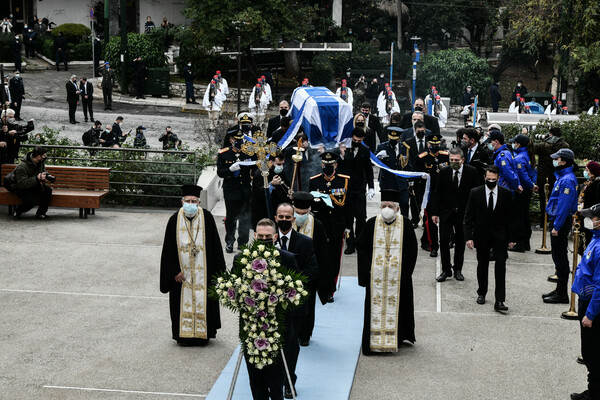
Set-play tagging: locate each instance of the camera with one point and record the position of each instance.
(50, 178)
(541, 137)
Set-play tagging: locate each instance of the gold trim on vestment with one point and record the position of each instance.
(192, 261)
(386, 270)
(308, 228)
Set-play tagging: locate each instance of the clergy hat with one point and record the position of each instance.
(390, 195)
(190, 190)
(302, 200)
(328, 157)
(434, 138)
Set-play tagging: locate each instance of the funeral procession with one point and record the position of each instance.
(313, 200)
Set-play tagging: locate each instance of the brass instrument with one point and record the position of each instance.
(544, 249)
(572, 313)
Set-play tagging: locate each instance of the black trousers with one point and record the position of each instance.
(308, 321)
(522, 222)
(336, 244)
(17, 108)
(429, 238)
(32, 196)
(359, 213)
(292, 347)
(87, 106)
(560, 255)
(416, 200)
(449, 228)
(266, 383)
(483, 266)
(404, 202)
(590, 350)
(189, 91)
(237, 210)
(107, 95)
(139, 85)
(72, 109)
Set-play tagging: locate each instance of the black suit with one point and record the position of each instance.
(489, 231)
(274, 124)
(387, 180)
(72, 98)
(374, 130)
(479, 159)
(87, 89)
(302, 248)
(448, 202)
(431, 123)
(418, 184)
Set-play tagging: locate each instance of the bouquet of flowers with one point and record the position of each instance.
(261, 290)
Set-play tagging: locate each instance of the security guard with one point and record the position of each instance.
(431, 161)
(562, 204)
(525, 164)
(586, 285)
(395, 154)
(236, 190)
(334, 208)
(505, 161)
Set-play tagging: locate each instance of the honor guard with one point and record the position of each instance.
(431, 161)
(236, 190)
(333, 207)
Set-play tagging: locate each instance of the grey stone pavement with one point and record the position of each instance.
(81, 311)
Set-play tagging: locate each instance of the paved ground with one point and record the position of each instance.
(81, 311)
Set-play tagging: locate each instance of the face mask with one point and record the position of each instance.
(355, 144)
(360, 124)
(555, 163)
(434, 149)
(284, 225)
(464, 143)
(515, 146)
(588, 224)
(278, 169)
(348, 74)
(381, 76)
(365, 113)
(190, 209)
(490, 146)
(418, 108)
(420, 134)
(519, 85)
(283, 112)
(586, 175)
(455, 165)
(189, 65)
(301, 219)
(266, 242)
(238, 143)
(393, 142)
(490, 184)
(245, 128)
(388, 214)
(12, 120)
(328, 170)
(107, 131)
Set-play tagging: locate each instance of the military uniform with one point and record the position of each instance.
(338, 218)
(237, 193)
(431, 161)
(396, 157)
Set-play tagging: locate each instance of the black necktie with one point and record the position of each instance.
(420, 146)
(491, 203)
(284, 242)
(456, 179)
(469, 155)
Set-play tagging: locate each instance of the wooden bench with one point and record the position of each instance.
(76, 187)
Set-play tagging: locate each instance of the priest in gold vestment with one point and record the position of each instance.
(191, 256)
(387, 253)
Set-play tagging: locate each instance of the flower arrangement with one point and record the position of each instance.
(261, 290)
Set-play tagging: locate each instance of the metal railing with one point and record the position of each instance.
(143, 173)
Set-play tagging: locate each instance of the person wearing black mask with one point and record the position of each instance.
(302, 248)
(278, 186)
(275, 122)
(245, 125)
(373, 126)
(334, 207)
(486, 228)
(431, 123)
(395, 155)
(417, 145)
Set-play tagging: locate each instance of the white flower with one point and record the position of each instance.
(273, 263)
(244, 261)
(279, 291)
(270, 361)
(288, 278)
(261, 247)
(262, 295)
(291, 284)
(254, 254)
(228, 284)
(246, 252)
(299, 283)
(221, 286)
(280, 282)
(276, 253)
(267, 254)
(238, 281)
(219, 279)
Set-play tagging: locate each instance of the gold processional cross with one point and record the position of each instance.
(261, 148)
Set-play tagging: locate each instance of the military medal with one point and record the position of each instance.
(328, 184)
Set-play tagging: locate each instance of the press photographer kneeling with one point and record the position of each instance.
(28, 181)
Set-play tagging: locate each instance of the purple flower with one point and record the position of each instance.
(231, 293)
(273, 299)
(291, 294)
(262, 344)
(258, 285)
(261, 313)
(265, 326)
(259, 265)
(249, 301)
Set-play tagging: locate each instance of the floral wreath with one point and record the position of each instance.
(261, 290)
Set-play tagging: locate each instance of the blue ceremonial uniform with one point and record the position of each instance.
(505, 161)
(527, 177)
(525, 171)
(559, 211)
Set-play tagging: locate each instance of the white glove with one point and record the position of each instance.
(370, 194)
(382, 154)
(234, 167)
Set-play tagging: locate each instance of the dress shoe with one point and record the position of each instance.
(349, 250)
(85, 120)
(433, 253)
(580, 360)
(499, 306)
(581, 396)
(288, 393)
(553, 278)
(195, 102)
(76, 122)
(425, 247)
(517, 249)
(552, 293)
(304, 343)
(330, 299)
(42, 216)
(17, 214)
(442, 277)
(480, 299)
(229, 248)
(459, 276)
(557, 298)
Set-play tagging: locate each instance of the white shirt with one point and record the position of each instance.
(472, 150)
(494, 195)
(287, 235)
(460, 172)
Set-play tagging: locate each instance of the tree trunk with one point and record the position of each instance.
(292, 67)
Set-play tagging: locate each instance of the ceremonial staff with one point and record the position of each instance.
(544, 249)
(572, 313)
(296, 158)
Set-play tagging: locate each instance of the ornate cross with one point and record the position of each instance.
(261, 148)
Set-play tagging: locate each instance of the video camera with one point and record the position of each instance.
(542, 136)
(50, 178)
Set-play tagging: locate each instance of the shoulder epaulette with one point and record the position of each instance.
(224, 150)
(423, 154)
(444, 152)
(343, 176)
(316, 176)
(406, 145)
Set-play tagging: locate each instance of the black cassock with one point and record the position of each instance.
(169, 268)
(406, 317)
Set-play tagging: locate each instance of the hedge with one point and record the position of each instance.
(138, 44)
(75, 33)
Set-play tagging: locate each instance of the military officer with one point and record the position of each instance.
(431, 161)
(333, 208)
(236, 190)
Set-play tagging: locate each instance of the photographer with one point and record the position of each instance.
(549, 145)
(91, 137)
(170, 140)
(13, 135)
(28, 181)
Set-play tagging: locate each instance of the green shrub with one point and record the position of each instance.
(81, 52)
(450, 71)
(75, 33)
(205, 62)
(138, 44)
(48, 48)
(6, 48)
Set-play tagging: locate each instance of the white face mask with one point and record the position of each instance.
(388, 214)
(278, 169)
(588, 224)
(300, 219)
